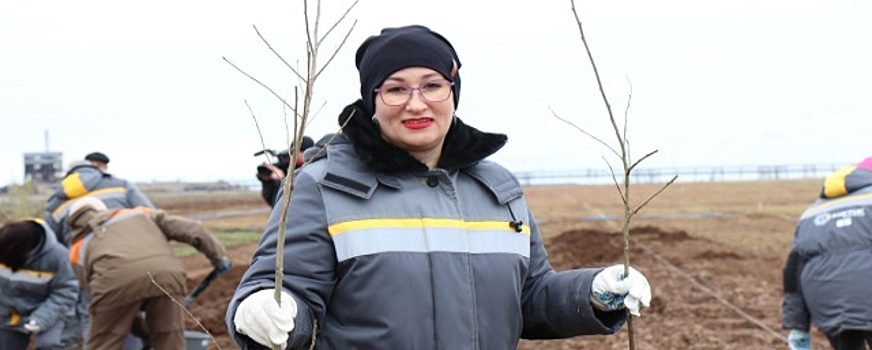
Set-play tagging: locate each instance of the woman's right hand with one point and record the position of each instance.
(275, 172)
(263, 320)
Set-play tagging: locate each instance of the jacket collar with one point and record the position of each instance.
(464, 145)
(80, 224)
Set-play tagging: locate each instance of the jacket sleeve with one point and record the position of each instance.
(795, 314)
(269, 191)
(309, 263)
(54, 225)
(192, 232)
(52, 204)
(63, 290)
(557, 304)
(136, 197)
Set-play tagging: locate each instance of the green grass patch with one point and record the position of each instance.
(22, 202)
(229, 239)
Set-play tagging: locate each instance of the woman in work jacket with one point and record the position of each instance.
(403, 236)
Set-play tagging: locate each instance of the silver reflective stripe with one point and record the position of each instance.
(366, 239)
(836, 204)
(103, 194)
(124, 214)
(26, 276)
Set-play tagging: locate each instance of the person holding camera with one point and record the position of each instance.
(271, 175)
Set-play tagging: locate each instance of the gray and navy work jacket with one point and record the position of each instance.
(383, 253)
(43, 289)
(87, 180)
(828, 275)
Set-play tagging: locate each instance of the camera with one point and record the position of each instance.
(283, 160)
(269, 185)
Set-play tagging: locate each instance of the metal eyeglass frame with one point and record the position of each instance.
(416, 88)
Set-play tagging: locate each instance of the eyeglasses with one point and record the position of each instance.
(432, 91)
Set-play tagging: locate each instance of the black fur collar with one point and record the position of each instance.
(464, 145)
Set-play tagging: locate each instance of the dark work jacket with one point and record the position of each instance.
(828, 274)
(42, 290)
(89, 181)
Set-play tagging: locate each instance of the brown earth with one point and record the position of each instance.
(713, 253)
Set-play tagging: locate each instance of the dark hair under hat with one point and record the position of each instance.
(97, 156)
(396, 48)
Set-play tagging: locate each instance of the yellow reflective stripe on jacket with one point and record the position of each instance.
(95, 193)
(39, 221)
(834, 185)
(73, 186)
(338, 229)
(14, 319)
(25, 275)
(42, 278)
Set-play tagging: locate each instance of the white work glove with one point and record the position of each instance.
(32, 327)
(799, 340)
(263, 320)
(611, 291)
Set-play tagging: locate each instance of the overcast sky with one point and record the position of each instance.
(738, 82)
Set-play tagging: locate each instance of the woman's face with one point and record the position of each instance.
(418, 126)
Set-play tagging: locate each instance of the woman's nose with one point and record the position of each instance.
(416, 101)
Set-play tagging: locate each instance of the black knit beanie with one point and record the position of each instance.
(18, 239)
(396, 48)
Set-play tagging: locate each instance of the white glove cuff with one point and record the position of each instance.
(263, 320)
(611, 290)
(32, 326)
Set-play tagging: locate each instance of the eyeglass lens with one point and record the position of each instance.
(432, 91)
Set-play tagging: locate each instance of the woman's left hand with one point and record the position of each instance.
(611, 290)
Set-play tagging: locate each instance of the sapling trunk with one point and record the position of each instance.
(300, 117)
(626, 162)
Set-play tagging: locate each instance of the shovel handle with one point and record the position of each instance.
(201, 287)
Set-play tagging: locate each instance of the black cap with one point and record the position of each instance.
(396, 48)
(97, 156)
(306, 143)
